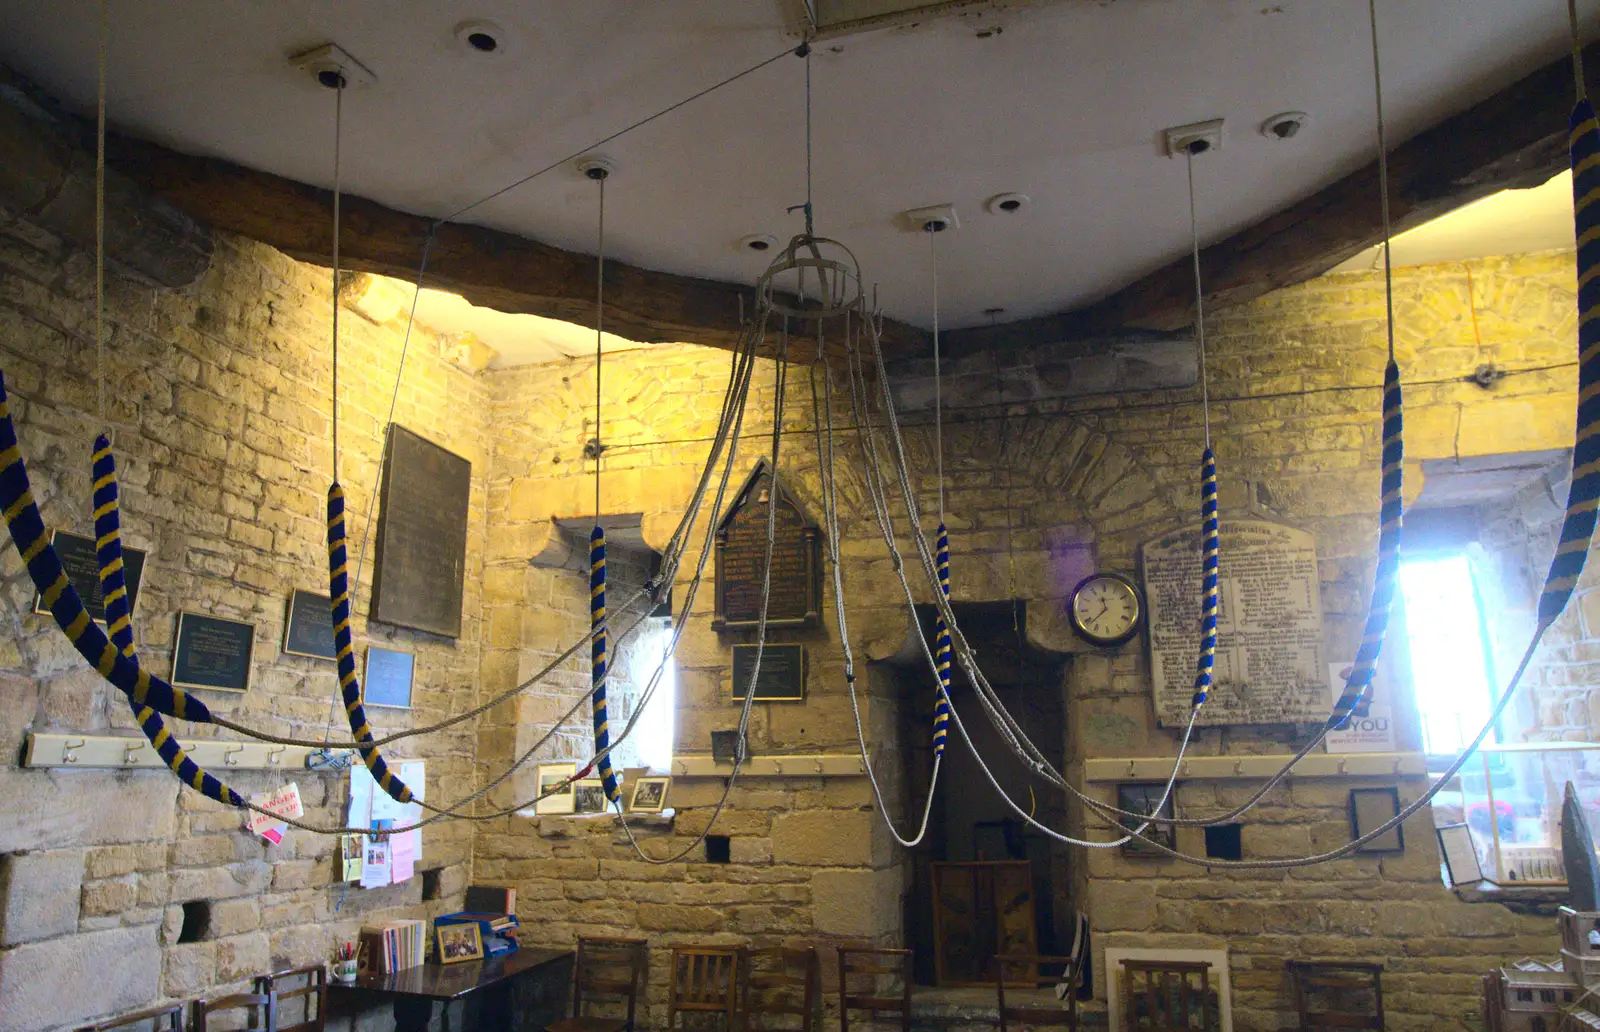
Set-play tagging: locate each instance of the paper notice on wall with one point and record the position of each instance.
(403, 854)
(1371, 733)
(372, 807)
(377, 862)
(284, 802)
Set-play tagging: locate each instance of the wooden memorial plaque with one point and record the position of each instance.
(308, 626)
(83, 573)
(1270, 666)
(422, 535)
(212, 652)
(782, 677)
(795, 597)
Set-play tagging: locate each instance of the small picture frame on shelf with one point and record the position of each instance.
(1370, 808)
(1460, 855)
(550, 776)
(650, 795)
(459, 942)
(589, 796)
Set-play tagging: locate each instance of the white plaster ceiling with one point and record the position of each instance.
(1065, 105)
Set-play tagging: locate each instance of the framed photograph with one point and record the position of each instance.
(1369, 809)
(459, 942)
(650, 795)
(551, 775)
(387, 679)
(589, 796)
(1144, 798)
(213, 652)
(1460, 855)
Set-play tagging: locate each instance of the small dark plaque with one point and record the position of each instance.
(795, 597)
(389, 676)
(782, 677)
(308, 626)
(212, 652)
(422, 535)
(83, 573)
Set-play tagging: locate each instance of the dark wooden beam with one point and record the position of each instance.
(487, 267)
(1516, 138)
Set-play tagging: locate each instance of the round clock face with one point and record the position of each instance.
(1106, 609)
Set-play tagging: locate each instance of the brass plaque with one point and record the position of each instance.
(782, 677)
(422, 535)
(794, 599)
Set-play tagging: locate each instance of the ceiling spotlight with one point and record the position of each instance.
(333, 67)
(758, 242)
(1006, 203)
(481, 37)
(935, 218)
(1285, 126)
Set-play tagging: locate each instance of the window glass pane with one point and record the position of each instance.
(1448, 666)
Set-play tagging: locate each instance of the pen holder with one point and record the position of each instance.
(344, 971)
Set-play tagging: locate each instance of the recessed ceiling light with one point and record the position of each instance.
(481, 37)
(757, 242)
(1285, 126)
(1006, 203)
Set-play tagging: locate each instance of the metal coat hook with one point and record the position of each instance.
(273, 754)
(228, 755)
(131, 751)
(1343, 763)
(67, 752)
(1238, 768)
(1132, 767)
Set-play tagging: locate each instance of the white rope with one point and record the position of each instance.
(100, 225)
(338, 136)
(1199, 302)
(938, 379)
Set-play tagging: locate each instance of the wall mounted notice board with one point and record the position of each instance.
(83, 573)
(212, 652)
(308, 626)
(389, 676)
(422, 535)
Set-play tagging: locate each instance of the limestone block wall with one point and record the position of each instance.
(219, 401)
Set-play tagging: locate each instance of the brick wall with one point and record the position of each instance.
(219, 399)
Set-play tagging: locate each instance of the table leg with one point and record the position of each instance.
(412, 1014)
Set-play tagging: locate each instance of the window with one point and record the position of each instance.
(654, 734)
(1450, 659)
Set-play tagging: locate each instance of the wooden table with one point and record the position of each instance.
(518, 992)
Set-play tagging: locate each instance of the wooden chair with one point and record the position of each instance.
(1016, 969)
(870, 962)
(262, 1005)
(1168, 996)
(605, 968)
(780, 980)
(162, 1019)
(316, 985)
(1343, 978)
(705, 979)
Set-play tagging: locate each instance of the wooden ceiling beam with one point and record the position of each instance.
(1515, 138)
(488, 267)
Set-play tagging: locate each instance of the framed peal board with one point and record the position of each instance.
(782, 677)
(308, 626)
(388, 677)
(83, 573)
(422, 535)
(212, 652)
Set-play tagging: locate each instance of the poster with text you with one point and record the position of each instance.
(370, 807)
(1371, 733)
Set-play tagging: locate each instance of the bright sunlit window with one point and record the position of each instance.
(1449, 659)
(656, 725)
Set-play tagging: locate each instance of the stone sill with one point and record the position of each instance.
(653, 821)
(1535, 899)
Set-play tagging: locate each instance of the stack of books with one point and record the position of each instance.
(392, 946)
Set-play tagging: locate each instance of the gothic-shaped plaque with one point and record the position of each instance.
(795, 598)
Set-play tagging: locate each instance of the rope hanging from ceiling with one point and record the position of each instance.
(943, 651)
(597, 537)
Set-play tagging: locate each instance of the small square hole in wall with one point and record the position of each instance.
(430, 883)
(196, 921)
(719, 849)
(1225, 842)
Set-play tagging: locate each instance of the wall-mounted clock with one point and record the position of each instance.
(1106, 609)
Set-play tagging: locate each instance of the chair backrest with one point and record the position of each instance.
(608, 969)
(780, 980)
(312, 992)
(162, 1019)
(263, 1008)
(1168, 996)
(1318, 984)
(705, 979)
(874, 963)
(1034, 971)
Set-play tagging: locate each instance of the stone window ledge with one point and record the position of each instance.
(1538, 900)
(662, 820)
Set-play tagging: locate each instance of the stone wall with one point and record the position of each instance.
(218, 396)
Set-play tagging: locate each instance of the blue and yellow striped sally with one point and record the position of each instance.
(1209, 542)
(942, 649)
(598, 656)
(119, 624)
